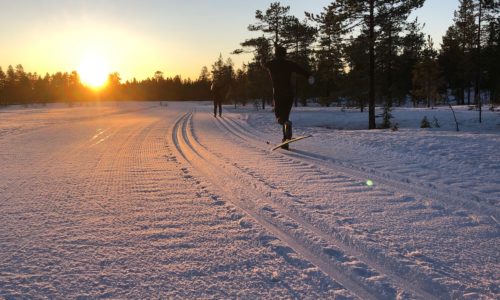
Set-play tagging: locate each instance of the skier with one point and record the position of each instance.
(280, 70)
(217, 94)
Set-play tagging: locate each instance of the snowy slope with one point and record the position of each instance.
(137, 200)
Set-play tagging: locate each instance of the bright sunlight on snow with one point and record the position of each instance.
(142, 200)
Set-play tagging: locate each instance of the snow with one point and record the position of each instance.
(138, 200)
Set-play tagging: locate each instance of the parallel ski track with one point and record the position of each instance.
(388, 265)
(54, 206)
(420, 284)
(326, 249)
(451, 197)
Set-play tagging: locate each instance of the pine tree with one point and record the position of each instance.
(204, 75)
(330, 62)
(10, 85)
(426, 76)
(468, 45)
(491, 50)
(356, 80)
(240, 84)
(41, 89)
(113, 87)
(299, 38)
(488, 15)
(258, 80)
(374, 14)
(449, 59)
(22, 85)
(222, 76)
(457, 51)
(203, 84)
(392, 19)
(3, 78)
(386, 117)
(272, 23)
(259, 85)
(412, 44)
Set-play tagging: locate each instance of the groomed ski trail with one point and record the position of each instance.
(242, 188)
(361, 266)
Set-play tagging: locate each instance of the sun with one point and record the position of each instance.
(93, 71)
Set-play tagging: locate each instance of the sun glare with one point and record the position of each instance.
(93, 71)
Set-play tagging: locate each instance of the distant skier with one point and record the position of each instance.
(280, 70)
(217, 94)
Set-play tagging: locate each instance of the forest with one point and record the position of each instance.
(362, 54)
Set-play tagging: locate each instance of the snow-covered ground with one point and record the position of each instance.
(138, 200)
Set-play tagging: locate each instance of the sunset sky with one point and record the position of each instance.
(137, 38)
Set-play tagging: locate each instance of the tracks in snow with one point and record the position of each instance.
(449, 213)
(456, 197)
(368, 274)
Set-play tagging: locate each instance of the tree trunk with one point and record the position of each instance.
(468, 95)
(296, 80)
(477, 91)
(389, 71)
(371, 100)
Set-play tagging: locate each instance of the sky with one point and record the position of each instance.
(137, 38)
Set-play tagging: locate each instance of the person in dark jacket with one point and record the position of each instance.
(280, 70)
(217, 94)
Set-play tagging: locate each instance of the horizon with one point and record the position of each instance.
(138, 39)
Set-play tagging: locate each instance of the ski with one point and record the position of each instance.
(290, 141)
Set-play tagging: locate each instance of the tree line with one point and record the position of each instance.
(368, 52)
(20, 87)
(362, 52)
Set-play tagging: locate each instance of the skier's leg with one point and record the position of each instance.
(215, 108)
(287, 124)
(287, 130)
(220, 108)
(280, 117)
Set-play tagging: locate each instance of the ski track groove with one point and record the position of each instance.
(456, 196)
(189, 154)
(391, 185)
(426, 283)
(112, 158)
(129, 229)
(366, 272)
(358, 276)
(427, 287)
(182, 141)
(46, 166)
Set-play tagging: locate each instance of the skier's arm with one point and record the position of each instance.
(299, 70)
